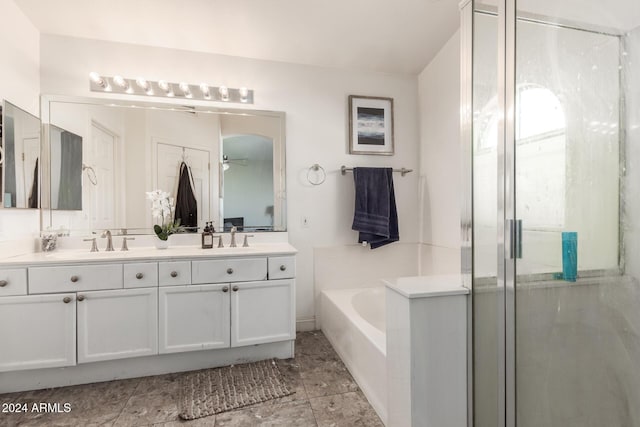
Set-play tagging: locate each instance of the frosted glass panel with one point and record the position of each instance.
(487, 297)
(577, 339)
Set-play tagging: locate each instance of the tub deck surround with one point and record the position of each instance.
(72, 316)
(426, 351)
(427, 286)
(382, 331)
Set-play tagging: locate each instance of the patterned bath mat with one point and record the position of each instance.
(212, 391)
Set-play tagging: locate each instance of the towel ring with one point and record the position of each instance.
(316, 168)
(91, 174)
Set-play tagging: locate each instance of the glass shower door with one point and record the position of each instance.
(576, 300)
(488, 294)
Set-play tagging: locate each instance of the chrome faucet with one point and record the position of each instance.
(234, 230)
(107, 234)
(124, 243)
(94, 245)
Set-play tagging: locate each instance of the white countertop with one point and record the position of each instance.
(83, 256)
(427, 286)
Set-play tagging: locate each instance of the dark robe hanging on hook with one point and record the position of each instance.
(33, 197)
(186, 204)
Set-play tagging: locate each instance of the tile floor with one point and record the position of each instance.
(325, 395)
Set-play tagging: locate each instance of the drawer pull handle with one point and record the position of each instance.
(66, 300)
(283, 267)
(229, 270)
(139, 276)
(235, 289)
(81, 297)
(3, 283)
(225, 289)
(74, 279)
(174, 274)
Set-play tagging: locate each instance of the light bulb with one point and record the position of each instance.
(204, 88)
(244, 94)
(144, 85)
(162, 84)
(95, 77)
(184, 87)
(122, 83)
(224, 93)
(99, 80)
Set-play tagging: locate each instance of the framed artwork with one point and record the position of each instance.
(370, 125)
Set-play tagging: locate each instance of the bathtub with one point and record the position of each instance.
(353, 320)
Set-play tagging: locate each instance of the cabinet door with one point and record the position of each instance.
(37, 331)
(193, 317)
(262, 312)
(117, 324)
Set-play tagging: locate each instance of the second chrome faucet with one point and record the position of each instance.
(107, 234)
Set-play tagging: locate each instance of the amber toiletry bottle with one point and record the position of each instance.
(207, 238)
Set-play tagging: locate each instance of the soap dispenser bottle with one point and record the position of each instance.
(207, 237)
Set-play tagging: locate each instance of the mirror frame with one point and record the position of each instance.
(46, 101)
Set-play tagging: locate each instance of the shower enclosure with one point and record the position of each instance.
(551, 220)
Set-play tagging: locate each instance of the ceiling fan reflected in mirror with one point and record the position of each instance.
(227, 162)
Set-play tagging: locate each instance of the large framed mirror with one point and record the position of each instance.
(19, 157)
(102, 156)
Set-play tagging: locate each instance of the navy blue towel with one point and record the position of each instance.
(375, 216)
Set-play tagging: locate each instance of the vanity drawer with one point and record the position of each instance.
(43, 280)
(174, 273)
(13, 282)
(140, 275)
(229, 270)
(282, 267)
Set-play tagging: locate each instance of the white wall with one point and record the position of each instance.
(440, 159)
(315, 101)
(19, 84)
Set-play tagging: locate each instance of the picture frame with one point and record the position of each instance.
(371, 125)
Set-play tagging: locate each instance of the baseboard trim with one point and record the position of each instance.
(303, 325)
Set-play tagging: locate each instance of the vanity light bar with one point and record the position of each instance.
(164, 89)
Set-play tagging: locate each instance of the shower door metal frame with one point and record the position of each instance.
(466, 216)
(506, 12)
(507, 206)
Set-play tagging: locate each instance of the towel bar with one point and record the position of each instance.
(403, 171)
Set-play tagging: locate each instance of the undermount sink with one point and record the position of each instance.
(79, 253)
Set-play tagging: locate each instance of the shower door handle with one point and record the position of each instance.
(518, 239)
(514, 231)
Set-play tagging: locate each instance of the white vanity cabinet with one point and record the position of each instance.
(193, 317)
(117, 324)
(131, 316)
(262, 312)
(227, 314)
(37, 331)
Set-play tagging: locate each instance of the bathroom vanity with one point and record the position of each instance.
(71, 317)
